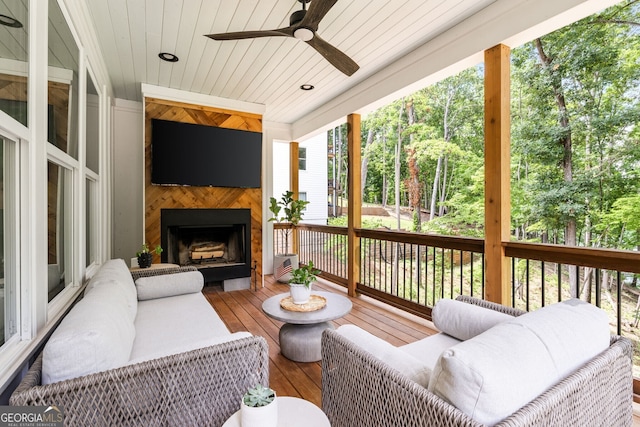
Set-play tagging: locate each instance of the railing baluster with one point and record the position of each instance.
(619, 302)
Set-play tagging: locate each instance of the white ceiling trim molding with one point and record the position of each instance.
(152, 91)
(456, 49)
(276, 130)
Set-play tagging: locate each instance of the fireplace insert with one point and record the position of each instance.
(216, 241)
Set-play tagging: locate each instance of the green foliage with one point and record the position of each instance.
(292, 208)
(145, 249)
(304, 275)
(258, 396)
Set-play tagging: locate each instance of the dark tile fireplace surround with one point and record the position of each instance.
(216, 241)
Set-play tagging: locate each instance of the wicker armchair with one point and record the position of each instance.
(360, 390)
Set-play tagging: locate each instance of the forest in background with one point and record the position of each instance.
(575, 151)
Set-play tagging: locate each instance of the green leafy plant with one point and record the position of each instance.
(304, 275)
(292, 212)
(258, 396)
(145, 250)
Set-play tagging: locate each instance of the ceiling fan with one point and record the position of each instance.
(303, 25)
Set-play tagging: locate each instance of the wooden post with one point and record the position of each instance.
(294, 170)
(497, 126)
(354, 219)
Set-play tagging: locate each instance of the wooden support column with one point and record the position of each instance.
(354, 219)
(294, 170)
(497, 160)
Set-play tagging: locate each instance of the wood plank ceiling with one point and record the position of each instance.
(266, 71)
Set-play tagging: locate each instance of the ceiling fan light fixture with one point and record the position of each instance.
(304, 34)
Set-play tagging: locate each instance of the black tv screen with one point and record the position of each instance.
(197, 155)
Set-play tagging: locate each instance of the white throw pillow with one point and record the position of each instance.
(388, 353)
(494, 374)
(464, 321)
(96, 335)
(168, 285)
(116, 275)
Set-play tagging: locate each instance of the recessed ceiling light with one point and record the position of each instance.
(8, 21)
(306, 86)
(169, 57)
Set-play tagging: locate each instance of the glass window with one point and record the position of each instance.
(302, 158)
(92, 125)
(14, 56)
(63, 83)
(302, 195)
(8, 240)
(60, 209)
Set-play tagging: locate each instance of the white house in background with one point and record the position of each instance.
(312, 178)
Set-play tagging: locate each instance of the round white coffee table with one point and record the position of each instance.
(301, 335)
(292, 412)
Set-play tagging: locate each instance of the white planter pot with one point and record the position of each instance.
(283, 265)
(263, 416)
(300, 293)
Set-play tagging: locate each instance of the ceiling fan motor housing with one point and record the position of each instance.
(296, 17)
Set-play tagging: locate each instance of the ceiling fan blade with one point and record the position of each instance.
(240, 35)
(317, 10)
(332, 54)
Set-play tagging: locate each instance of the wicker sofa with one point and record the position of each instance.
(181, 367)
(362, 386)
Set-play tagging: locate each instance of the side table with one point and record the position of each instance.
(301, 335)
(292, 412)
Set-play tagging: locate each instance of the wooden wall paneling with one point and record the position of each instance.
(159, 197)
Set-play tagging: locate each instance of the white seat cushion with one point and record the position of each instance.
(168, 325)
(397, 359)
(429, 349)
(494, 374)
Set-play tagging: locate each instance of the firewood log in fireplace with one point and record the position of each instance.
(209, 250)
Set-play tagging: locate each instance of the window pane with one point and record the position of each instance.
(302, 158)
(59, 228)
(63, 83)
(8, 190)
(14, 57)
(93, 118)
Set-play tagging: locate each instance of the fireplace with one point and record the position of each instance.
(216, 241)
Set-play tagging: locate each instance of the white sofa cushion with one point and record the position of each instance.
(170, 325)
(388, 353)
(168, 285)
(95, 336)
(184, 347)
(115, 273)
(464, 321)
(429, 349)
(494, 374)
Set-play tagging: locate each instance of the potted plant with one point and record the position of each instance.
(259, 407)
(284, 263)
(302, 279)
(145, 256)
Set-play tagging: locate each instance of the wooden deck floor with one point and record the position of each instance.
(241, 311)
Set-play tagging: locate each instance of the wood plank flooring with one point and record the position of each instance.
(242, 311)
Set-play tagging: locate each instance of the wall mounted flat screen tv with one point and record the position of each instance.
(204, 156)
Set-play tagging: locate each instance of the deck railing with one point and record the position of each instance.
(413, 271)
